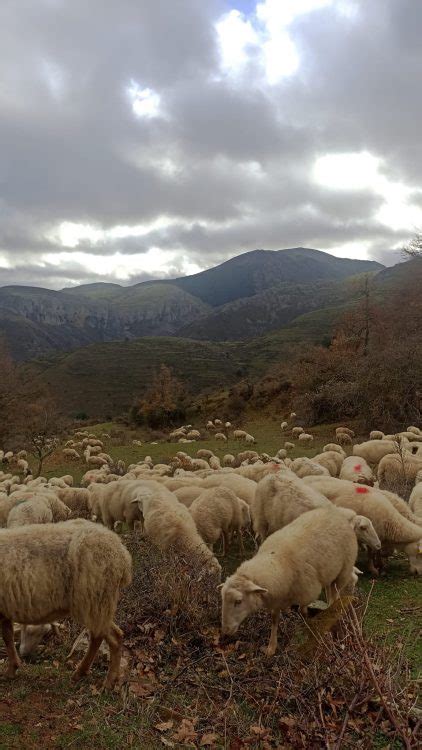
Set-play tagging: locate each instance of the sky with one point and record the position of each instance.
(147, 139)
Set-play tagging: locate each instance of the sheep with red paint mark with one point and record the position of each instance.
(356, 470)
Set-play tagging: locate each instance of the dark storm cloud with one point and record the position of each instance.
(228, 158)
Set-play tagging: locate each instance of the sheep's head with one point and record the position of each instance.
(240, 598)
(414, 553)
(366, 533)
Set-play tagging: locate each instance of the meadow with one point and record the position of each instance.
(330, 685)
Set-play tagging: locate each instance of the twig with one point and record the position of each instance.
(350, 708)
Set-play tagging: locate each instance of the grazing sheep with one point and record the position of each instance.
(398, 473)
(114, 502)
(392, 528)
(282, 453)
(374, 450)
(228, 459)
(284, 426)
(293, 415)
(186, 495)
(249, 456)
(376, 435)
(305, 438)
(169, 525)
(317, 550)
(96, 461)
(242, 487)
(296, 431)
(304, 467)
(71, 453)
(45, 508)
(344, 431)
(214, 463)
(193, 435)
(289, 446)
(239, 434)
(218, 422)
(344, 439)
(334, 447)
(32, 635)
(218, 512)
(220, 436)
(279, 499)
(356, 470)
(204, 453)
(330, 460)
(77, 499)
(73, 569)
(415, 501)
(23, 466)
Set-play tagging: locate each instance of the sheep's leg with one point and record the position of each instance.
(85, 665)
(13, 659)
(114, 639)
(226, 542)
(272, 644)
(371, 564)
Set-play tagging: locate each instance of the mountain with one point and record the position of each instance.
(247, 296)
(253, 272)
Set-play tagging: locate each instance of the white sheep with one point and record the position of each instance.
(304, 467)
(397, 472)
(296, 431)
(73, 569)
(77, 499)
(186, 495)
(284, 426)
(228, 459)
(114, 502)
(220, 436)
(334, 447)
(344, 431)
(193, 435)
(218, 512)
(376, 435)
(305, 438)
(242, 486)
(356, 470)
(40, 508)
(317, 550)
(344, 439)
(214, 463)
(289, 446)
(330, 460)
(415, 501)
(239, 434)
(169, 525)
(71, 453)
(204, 453)
(374, 450)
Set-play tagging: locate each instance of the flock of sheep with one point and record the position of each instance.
(60, 555)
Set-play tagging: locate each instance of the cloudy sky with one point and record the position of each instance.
(152, 138)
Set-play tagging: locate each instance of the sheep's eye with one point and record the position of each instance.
(237, 603)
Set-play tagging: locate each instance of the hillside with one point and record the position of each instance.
(245, 297)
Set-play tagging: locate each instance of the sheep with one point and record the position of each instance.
(218, 512)
(303, 467)
(282, 453)
(356, 470)
(227, 425)
(243, 487)
(186, 495)
(344, 439)
(239, 434)
(284, 426)
(415, 501)
(334, 447)
(228, 459)
(344, 431)
(73, 569)
(374, 450)
(114, 502)
(415, 430)
(169, 525)
(220, 436)
(293, 415)
(402, 507)
(138, 443)
(330, 460)
(279, 499)
(376, 435)
(317, 550)
(96, 461)
(305, 438)
(77, 499)
(32, 635)
(218, 422)
(71, 453)
(95, 475)
(214, 463)
(392, 528)
(259, 470)
(193, 435)
(289, 446)
(396, 472)
(23, 466)
(40, 508)
(247, 456)
(204, 453)
(296, 431)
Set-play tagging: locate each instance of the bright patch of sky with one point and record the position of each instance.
(145, 102)
(362, 171)
(155, 262)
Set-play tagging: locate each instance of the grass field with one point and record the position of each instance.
(185, 687)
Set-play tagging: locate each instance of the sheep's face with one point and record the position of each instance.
(239, 600)
(414, 553)
(31, 637)
(366, 533)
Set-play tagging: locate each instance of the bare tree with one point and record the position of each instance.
(40, 429)
(414, 248)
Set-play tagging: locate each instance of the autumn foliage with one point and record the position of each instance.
(163, 403)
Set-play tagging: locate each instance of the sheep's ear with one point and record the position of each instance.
(253, 588)
(219, 587)
(135, 500)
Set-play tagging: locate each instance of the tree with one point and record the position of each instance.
(163, 403)
(41, 426)
(414, 248)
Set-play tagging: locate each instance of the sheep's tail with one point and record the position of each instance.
(100, 566)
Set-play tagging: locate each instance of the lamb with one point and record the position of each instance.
(73, 569)
(392, 528)
(305, 438)
(71, 453)
(217, 512)
(41, 508)
(356, 470)
(317, 550)
(169, 525)
(396, 472)
(279, 499)
(303, 467)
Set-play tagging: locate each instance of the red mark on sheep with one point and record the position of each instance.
(358, 467)
(362, 490)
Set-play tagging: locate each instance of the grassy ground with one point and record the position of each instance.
(184, 687)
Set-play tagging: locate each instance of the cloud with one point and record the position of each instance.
(166, 137)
